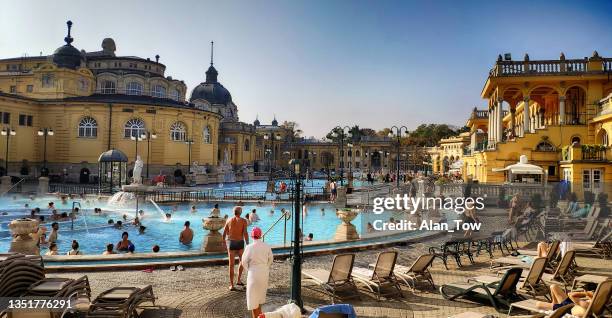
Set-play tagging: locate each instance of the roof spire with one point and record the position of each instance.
(68, 39)
(212, 51)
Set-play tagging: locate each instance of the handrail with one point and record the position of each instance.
(13, 186)
(283, 216)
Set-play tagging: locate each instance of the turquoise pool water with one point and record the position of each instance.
(93, 232)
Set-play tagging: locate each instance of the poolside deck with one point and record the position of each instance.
(202, 291)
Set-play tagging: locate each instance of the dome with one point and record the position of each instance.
(113, 155)
(274, 122)
(256, 122)
(67, 55)
(211, 90)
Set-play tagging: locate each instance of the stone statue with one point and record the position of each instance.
(137, 176)
(225, 157)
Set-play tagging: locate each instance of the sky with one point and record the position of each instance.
(323, 63)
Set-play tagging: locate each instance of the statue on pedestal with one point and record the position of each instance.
(137, 175)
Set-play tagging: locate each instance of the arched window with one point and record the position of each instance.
(88, 127)
(133, 88)
(575, 139)
(158, 91)
(247, 145)
(545, 146)
(206, 135)
(108, 87)
(604, 139)
(174, 94)
(178, 132)
(357, 153)
(133, 128)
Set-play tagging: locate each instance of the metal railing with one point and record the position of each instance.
(73, 188)
(15, 187)
(282, 217)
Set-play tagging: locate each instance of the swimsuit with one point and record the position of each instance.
(236, 245)
(567, 301)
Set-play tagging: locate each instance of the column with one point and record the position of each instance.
(526, 115)
(561, 110)
(500, 121)
(494, 122)
(490, 127)
(513, 120)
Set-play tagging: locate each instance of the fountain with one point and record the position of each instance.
(346, 231)
(22, 242)
(213, 241)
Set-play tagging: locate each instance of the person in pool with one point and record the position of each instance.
(119, 225)
(136, 221)
(52, 249)
(141, 214)
(124, 244)
(186, 235)
(141, 229)
(155, 248)
(193, 209)
(215, 212)
(109, 249)
(75, 249)
(54, 232)
(254, 217)
(167, 217)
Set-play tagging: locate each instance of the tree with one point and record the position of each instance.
(293, 126)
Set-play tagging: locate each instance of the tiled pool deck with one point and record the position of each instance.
(201, 291)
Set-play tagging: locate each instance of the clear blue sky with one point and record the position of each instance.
(324, 63)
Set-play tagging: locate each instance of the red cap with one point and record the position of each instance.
(256, 233)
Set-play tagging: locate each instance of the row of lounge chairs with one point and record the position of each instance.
(385, 273)
(24, 276)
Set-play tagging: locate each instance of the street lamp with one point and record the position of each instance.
(272, 137)
(8, 133)
(139, 137)
(189, 142)
(44, 132)
(342, 135)
(149, 136)
(296, 266)
(397, 133)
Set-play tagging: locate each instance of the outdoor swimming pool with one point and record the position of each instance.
(93, 232)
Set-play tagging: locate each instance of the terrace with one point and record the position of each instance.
(562, 66)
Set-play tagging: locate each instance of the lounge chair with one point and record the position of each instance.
(597, 306)
(18, 275)
(418, 271)
(382, 275)
(562, 273)
(500, 293)
(331, 281)
(521, 261)
(446, 250)
(601, 247)
(559, 313)
(121, 302)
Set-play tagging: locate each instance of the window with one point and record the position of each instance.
(545, 146)
(175, 94)
(30, 88)
(158, 91)
(108, 87)
(357, 153)
(88, 128)
(178, 132)
(25, 120)
(207, 138)
(247, 145)
(6, 118)
(83, 84)
(133, 128)
(13, 89)
(47, 80)
(133, 88)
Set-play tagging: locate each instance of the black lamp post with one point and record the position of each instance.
(342, 135)
(189, 142)
(8, 133)
(44, 132)
(272, 137)
(296, 266)
(268, 153)
(139, 137)
(397, 133)
(149, 135)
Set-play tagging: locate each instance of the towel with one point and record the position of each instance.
(335, 309)
(287, 311)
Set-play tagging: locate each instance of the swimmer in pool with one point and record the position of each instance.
(167, 217)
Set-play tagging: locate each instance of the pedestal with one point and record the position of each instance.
(5, 184)
(22, 241)
(340, 201)
(213, 241)
(43, 185)
(346, 231)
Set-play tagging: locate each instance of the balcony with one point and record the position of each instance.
(589, 153)
(592, 65)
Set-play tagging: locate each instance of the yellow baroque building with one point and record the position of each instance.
(63, 110)
(557, 112)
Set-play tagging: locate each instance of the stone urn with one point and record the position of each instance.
(346, 231)
(213, 241)
(22, 239)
